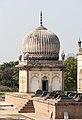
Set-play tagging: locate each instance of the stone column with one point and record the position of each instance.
(62, 80)
(27, 80)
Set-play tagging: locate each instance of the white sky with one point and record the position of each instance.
(18, 17)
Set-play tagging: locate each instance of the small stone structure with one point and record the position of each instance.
(39, 64)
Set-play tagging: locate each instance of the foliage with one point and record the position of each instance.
(9, 76)
(2, 93)
(2, 97)
(70, 74)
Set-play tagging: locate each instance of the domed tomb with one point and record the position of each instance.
(41, 44)
(39, 64)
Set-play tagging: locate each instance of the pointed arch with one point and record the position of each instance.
(34, 84)
(80, 79)
(55, 83)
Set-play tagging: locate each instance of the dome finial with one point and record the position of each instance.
(41, 18)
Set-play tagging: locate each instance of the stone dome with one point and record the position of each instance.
(41, 44)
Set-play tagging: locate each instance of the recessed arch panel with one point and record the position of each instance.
(55, 83)
(80, 79)
(34, 84)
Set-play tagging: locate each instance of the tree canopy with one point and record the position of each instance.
(70, 74)
(9, 76)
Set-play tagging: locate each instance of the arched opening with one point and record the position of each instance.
(44, 83)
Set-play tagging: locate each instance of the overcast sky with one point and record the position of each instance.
(18, 17)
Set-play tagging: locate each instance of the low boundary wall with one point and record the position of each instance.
(46, 107)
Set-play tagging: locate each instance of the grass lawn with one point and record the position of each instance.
(18, 115)
(2, 99)
(2, 93)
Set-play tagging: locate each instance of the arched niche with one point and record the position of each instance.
(55, 83)
(80, 79)
(34, 84)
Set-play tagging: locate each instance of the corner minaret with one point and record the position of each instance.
(79, 67)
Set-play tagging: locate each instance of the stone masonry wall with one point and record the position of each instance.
(45, 107)
(41, 106)
(74, 110)
(17, 101)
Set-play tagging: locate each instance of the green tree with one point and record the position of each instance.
(9, 75)
(70, 74)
